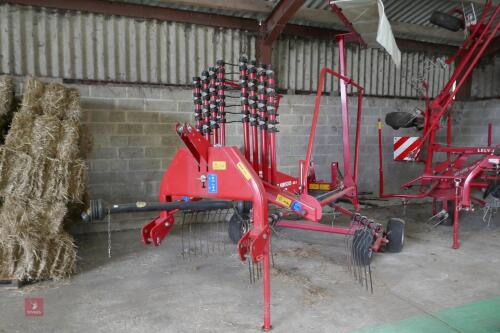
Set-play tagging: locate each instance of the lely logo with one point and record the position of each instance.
(33, 307)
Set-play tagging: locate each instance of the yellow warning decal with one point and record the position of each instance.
(379, 125)
(244, 171)
(283, 200)
(219, 165)
(314, 186)
(324, 187)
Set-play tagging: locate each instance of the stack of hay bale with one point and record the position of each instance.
(41, 173)
(7, 104)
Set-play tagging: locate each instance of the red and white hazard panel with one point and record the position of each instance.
(405, 148)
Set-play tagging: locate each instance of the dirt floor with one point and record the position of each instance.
(146, 289)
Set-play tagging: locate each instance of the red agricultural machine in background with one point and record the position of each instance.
(250, 181)
(450, 182)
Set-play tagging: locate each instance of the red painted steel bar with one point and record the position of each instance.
(312, 226)
(262, 107)
(344, 102)
(252, 100)
(245, 110)
(345, 138)
(490, 134)
(448, 134)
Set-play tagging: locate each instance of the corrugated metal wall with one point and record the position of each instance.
(298, 62)
(486, 78)
(86, 46)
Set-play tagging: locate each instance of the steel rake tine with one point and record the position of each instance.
(355, 257)
(249, 272)
(346, 245)
(350, 241)
(365, 250)
(371, 281)
(224, 227)
(253, 269)
(206, 240)
(272, 253)
(360, 262)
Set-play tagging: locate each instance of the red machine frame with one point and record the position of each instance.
(207, 169)
(453, 179)
(207, 157)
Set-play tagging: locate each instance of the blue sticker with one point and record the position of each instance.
(185, 198)
(296, 206)
(212, 183)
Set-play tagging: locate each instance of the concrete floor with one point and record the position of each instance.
(144, 289)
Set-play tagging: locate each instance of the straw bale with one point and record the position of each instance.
(32, 94)
(18, 176)
(55, 100)
(68, 148)
(77, 181)
(19, 135)
(54, 216)
(45, 136)
(41, 172)
(6, 95)
(74, 110)
(56, 184)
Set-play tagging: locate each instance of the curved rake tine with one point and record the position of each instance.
(354, 250)
(272, 253)
(367, 234)
(371, 282)
(346, 253)
(250, 271)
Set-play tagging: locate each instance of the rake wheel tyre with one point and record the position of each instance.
(237, 227)
(446, 21)
(395, 235)
(400, 119)
(361, 248)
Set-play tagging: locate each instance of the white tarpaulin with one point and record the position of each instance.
(369, 20)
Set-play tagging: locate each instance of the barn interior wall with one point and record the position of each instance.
(150, 64)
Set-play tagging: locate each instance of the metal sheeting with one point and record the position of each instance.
(87, 46)
(298, 63)
(486, 79)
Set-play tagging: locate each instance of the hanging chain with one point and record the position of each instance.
(109, 234)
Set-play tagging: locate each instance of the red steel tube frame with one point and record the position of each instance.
(451, 179)
(348, 179)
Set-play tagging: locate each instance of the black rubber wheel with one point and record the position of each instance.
(395, 235)
(238, 225)
(361, 247)
(446, 21)
(400, 119)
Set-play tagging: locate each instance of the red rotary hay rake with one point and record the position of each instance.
(250, 182)
(451, 181)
